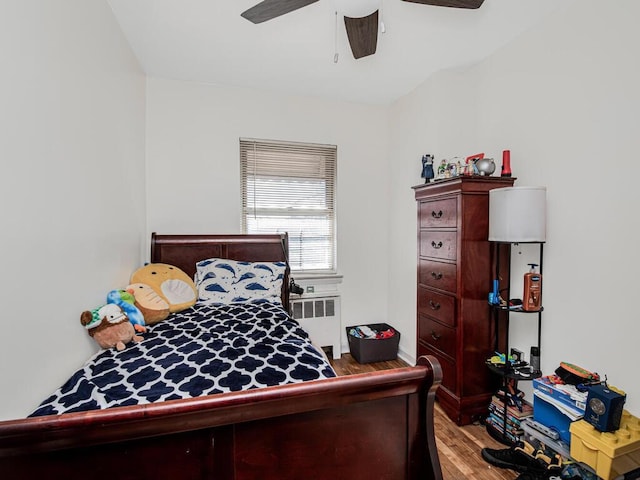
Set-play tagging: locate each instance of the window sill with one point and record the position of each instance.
(317, 284)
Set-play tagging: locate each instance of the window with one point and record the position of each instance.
(290, 187)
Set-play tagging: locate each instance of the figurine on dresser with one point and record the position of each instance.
(427, 168)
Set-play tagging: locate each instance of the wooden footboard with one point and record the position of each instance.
(369, 426)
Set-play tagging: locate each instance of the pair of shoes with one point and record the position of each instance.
(548, 474)
(513, 459)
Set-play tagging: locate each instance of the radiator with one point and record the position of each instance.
(320, 317)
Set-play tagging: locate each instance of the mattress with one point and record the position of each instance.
(204, 350)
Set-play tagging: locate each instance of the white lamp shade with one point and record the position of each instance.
(518, 214)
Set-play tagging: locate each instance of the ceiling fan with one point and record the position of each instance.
(362, 32)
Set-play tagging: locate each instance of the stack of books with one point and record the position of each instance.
(511, 429)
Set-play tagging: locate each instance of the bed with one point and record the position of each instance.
(368, 426)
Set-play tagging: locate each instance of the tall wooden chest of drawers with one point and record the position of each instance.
(454, 279)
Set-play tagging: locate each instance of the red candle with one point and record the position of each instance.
(506, 163)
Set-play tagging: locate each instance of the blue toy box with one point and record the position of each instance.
(551, 416)
(557, 405)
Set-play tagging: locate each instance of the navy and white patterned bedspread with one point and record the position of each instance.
(204, 350)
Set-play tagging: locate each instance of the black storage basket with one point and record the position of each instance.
(369, 350)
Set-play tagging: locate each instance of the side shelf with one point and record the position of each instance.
(509, 372)
(513, 373)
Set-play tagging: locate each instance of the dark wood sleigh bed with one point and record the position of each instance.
(368, 426)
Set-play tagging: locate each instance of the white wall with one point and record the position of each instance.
(564, 98)
(71, 189)
(193, 180)
(436, 118)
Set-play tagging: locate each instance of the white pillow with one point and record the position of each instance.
(220, 280)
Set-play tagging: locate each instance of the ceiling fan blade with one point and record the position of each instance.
(450, 3)
(362, 34)
(269, 9)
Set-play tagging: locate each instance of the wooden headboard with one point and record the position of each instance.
(184, 251)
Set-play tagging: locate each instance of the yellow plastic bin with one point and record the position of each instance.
(610, 454)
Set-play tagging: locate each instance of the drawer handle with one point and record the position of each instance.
(434, 305)
(436, 215)
(436, 276)
(436, 245)
(434, 335)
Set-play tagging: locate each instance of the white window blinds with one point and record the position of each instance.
(290, 187)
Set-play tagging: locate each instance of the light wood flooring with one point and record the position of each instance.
(458, 447)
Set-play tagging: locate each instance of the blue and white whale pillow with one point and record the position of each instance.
(220, 280)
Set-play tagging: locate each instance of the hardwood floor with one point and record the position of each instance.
(458, 447)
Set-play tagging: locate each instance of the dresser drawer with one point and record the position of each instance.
(449, 378)
(438, 275)
(439, 213)
(436, 305)
(438, 244)
(438, 336)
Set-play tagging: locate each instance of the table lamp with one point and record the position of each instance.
(518, 215)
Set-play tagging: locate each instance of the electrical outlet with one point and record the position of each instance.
(311, 289)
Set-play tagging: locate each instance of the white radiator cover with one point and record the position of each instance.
(320, 317)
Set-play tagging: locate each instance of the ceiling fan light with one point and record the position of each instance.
(357, 8)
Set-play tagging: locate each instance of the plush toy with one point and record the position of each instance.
(154, 308)
(125, 300)
(171, 283)
(109, 326)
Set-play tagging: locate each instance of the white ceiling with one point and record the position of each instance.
(208, 41)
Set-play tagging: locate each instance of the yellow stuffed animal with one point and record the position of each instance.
(154, 308)
(170, 283)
